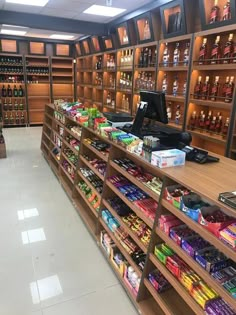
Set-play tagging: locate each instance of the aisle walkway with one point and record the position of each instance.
(49, 264)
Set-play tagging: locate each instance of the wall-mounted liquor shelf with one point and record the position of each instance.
(60, 146)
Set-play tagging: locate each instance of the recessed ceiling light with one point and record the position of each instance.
(13, 32)
(103, 10)
(39, 3)
(59, 36)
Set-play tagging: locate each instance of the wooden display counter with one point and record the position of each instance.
(206, 180)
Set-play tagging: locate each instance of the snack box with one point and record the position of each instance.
(168, 158)
(193, 244)
(214, 220)
(211, 259)
(162, 251)
(178, 233)
(175, 201)
(191, 205)
(228, 235)
(158, 281)
(225, 274)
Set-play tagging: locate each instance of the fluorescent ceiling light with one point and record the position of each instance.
(58, 36)
(13, 32)
(103, 10)
(13, 26)
(39, 3)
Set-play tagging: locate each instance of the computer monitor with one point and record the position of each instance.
(154, 109)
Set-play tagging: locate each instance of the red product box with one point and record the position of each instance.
(170, 191)
(165, 218)
(168, 225)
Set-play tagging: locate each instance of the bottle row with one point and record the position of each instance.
(214, 91)
(9, 106)
(17, 119)
(216, 14)
(175, 87)
(39, 70)
(210, 123)
(110, 101)
(219, 53)
(147, 58)
(11, 60)
(111, 65)
(4, 69)
(12, 79)
(144, 81)
(9, 92)
(126, 59)
(180, 56)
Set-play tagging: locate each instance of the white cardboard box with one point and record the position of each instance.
(168, 158)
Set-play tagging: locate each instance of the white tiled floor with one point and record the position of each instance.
(49, 264)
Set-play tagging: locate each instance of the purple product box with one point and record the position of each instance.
(194, 243)
(175, 233)
(221, 263)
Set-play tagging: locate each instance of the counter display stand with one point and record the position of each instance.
(91, 197)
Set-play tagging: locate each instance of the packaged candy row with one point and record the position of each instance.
(99, 165)
(73, 142)
(210, 217)
(139, 173)
(69, 169)
(71, 156)
(75, 129)
(158, 281)
(195, 285)
(94, 180)
(99, 145)
(206, 255)
(135, 195)
(89, 194)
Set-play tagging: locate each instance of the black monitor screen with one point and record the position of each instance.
(156, 109)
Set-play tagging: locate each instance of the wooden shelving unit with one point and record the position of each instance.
(176, 300)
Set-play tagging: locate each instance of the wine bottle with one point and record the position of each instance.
(208, 120)
(185, 87)
(205, 89)
(22, 119)
(5, 106)
(228, 49)
(11, 119)
(17, 119)
(137, 82)
(15, 91)
(4, 91)
(225, 128)
(149, 58)
(227, 11)
(166, 56)
(225, 86)
(175, 86)
(215, 13)
(10, 104)
(176, 55)
(165, 84)
(108, 99)
(193, 120)
(21, 106)
(6, 120)
(145, 57)
(203, 52)
(215, 89)
(9, 91)
(16, 105)
(186, 54)
(229, 91)
(198, 88)
(20, 92)
(141, 58)
(215, 52)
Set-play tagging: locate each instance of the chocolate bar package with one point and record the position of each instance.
(229, 198)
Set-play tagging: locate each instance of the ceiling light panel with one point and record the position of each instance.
(103, 10)
(38, 3)
(12, 32)
(60, 36)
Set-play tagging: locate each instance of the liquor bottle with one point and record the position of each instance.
(4, 91)
(166, 56)
(146, 31)
(145, 57)
(127, 104)
(124, 81)
(15, 91)
(111, 82)
(137, 82)
(141, 58)
(205, 89)
(17, 119)
(198, 88)
(215, 89)
(21, 92)
(108, 99)
(212, 127)
(5, 106)
(129, 59)
(125, 58)
(225, 128)
(169, 111)
(202, 120)
(208, 120)
(193, 120)
(154, 61)
(100, 63)
(229, 91)
(11, 119)
(112, 103)
(122, 58)
(218, 124)
(215, 13)
(175, 86)
(215, 52)
(128, 83)
(177, 115)
(10, 104)
(22, 119)
(21, 105)
(9, 91)
(227, 11)
(186, 54)
(228, 49)
(108, 62)
(123, 101)
(6, 120)
(185, 87)
(149, 58)
(112, 62)
(176, 55)
(125, 39)
(225, 86)
(16, 105)
(165, 84)
(203, 52)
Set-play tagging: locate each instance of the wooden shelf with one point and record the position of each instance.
(89, 185)
(39, 97)
(70, 147)
(214, 138)
(59, 123)
(66, 187)
(71, 133)
(54, 157)
(125, 227)
(196, 267)
(173, 125)
(216, 104)
(145, 69)
(138, 183)
(121, 248)
(86, 201)
(67, 174)
(49, 116)
(89, 165)
(177, 286)
(98, 153)
(46, 135)
(219, 67)
(66, 158)
(211, 238)
(169, 301)
(54, 168)
(60, 137)
(173, 98)
(135, 209)
(45, 144)
(173, 68)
